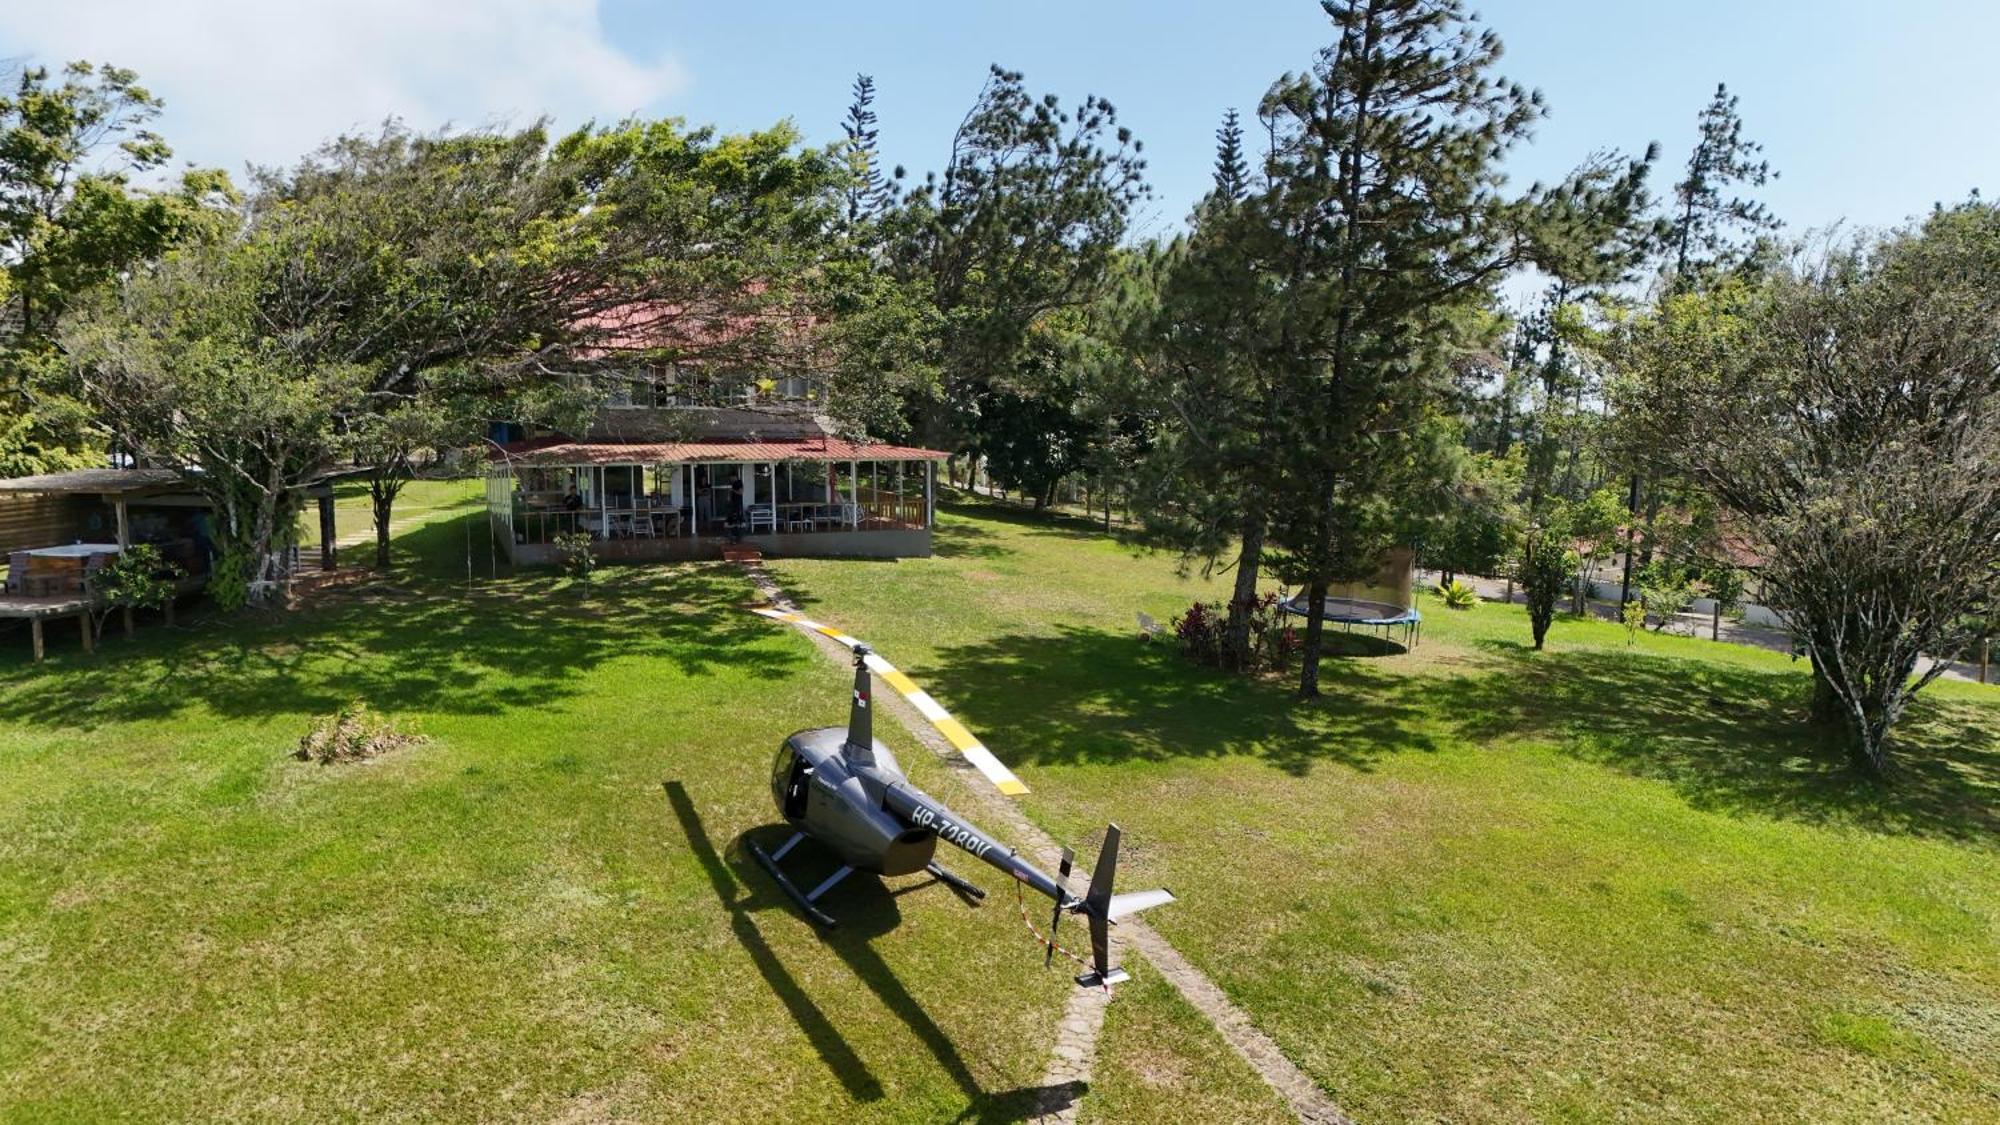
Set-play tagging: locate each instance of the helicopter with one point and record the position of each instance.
(843, 789)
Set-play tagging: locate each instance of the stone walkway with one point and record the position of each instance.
(1069, 1070)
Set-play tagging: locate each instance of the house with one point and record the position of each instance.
(659, 469)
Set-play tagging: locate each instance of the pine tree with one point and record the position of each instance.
(1232, 174)
(1712, 224)
(869, 192)
(1386, 183)
(1209, 478)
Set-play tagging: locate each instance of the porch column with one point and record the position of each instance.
(899, 489)
(854, 493)
(930, 493)
(124, 525)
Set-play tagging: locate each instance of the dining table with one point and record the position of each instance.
(73, 550)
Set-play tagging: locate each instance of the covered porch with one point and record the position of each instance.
(59, 529)
(821, 497)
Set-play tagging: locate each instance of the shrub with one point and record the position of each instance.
(573, 548)
(1545, 569)
(352, 734)
(1633, 615)
(1203, 633)
(1666, 589)
(139, 578)
(1458, 595)
(1200, 632)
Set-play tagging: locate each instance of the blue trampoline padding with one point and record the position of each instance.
(1354, 611)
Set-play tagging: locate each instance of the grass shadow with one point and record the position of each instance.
(1734, 739)
(867, 910)
(1087, 695)
(409, 641)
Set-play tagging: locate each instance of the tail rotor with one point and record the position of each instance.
(1055, 915)
(1103, 909)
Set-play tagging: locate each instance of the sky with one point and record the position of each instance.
(1871, 112)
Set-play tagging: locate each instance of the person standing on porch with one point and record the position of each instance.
(736, 510)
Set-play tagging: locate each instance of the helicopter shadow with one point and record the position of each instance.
(867, 911)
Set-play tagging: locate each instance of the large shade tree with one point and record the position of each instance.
(462, 270)
(71, 219)
(1847, 412)
(416, 287)
(192, 364)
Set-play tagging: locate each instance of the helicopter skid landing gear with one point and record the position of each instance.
(769, 862)
(956, 882)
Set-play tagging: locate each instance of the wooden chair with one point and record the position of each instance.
(763, 515)
(17, 572)
(642, 525)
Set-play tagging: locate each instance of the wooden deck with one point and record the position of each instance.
(36, 611)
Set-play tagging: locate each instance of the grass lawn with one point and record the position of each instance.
(1477, 882)
(517, 920)
(1472, 883)
(420, 502)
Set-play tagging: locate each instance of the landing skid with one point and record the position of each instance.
(804, 901)
(807, 900)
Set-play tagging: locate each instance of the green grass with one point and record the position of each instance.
(1478, 882)
(420, 502)
(1473, 882)
(517, 920)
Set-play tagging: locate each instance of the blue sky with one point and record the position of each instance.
(1871, 111)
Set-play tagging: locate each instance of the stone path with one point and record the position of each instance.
(1069, 1070)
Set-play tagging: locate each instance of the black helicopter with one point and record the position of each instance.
(844, 789)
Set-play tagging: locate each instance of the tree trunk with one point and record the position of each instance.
(382, 503)
(1825, 708)
(1249, 557)
(1631, 534)
(1315, 630)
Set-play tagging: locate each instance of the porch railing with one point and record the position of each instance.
(541, 525)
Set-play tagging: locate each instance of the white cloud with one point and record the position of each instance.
(268, 80)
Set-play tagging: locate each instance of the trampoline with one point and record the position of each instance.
(1387, 617)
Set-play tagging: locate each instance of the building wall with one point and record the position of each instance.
(30, 519)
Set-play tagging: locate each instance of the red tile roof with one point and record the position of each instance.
(637, 326)
(563, 451)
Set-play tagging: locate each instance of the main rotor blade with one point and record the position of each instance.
(954, 732)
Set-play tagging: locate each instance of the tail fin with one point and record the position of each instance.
(860, 715)
(1103, 908)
